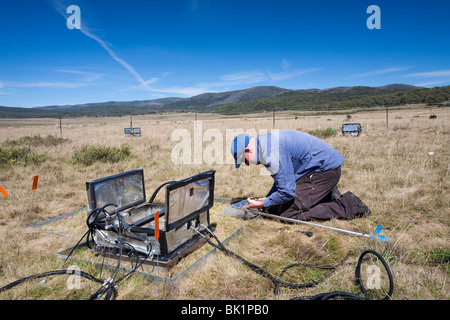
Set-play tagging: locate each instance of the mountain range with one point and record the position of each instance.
(255, 99)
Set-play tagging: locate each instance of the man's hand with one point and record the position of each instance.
(255, 203)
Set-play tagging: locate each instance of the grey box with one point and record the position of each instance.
(187, 205)
(351, 129)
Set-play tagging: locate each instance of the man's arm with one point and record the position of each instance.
(284, 182)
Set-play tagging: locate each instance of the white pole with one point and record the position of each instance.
(311, 224)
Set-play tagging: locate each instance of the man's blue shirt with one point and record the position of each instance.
(289, 155)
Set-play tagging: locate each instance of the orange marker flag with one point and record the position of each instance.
(3, 192)
(157, 225)
(35, 182)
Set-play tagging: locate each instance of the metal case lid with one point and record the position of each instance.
(188, 198)
(351, 127)
(125, 190)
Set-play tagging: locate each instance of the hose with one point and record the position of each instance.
(358, 273)
(157, 190)
(277, 282)
(51, 273)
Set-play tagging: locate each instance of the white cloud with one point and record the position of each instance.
(377, 72)
(61, 9)
(432, 83)
(150, 81)
(245, 77)
(189, 91)
(285, 64)
(254, 77)
(431, 74)
(47, 84)
(235, 79)
(172, 90)
(437, 77)
(1, 86)
(227, 80)
(278, 76)
(125, 64)
(85, 76)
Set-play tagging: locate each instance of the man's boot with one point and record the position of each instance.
(361, 209)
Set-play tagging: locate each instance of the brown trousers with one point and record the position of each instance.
(313, 199)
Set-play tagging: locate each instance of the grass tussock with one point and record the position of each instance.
(35, 140)
(21, 151)
(19, 156)
(323, 133)
(87, 155)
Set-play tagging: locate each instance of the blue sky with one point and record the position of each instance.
(139, 50)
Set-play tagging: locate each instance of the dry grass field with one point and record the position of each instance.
(401, 172)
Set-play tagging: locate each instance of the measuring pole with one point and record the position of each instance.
(238, 201)
(362, 234)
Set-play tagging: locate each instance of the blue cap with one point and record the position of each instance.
(238, 146)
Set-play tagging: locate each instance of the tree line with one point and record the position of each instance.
(338, 99)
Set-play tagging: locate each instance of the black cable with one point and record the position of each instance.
(94, 221)
(50, 273)
(439, 261)
(311, 284)
(276, 282)
(435, 262)
(335, 294)
(109, 287)
(157, 190)
(358, 273)
(92, 224)
(137, 266)
(322, 296)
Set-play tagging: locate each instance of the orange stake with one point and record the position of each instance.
(35, 182)
(157, 225)
(3, 192)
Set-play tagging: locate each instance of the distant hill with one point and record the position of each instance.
(210, 100)
(152, 104)
(98, 109)
(255, 99)
(202, 102)
(341, 98)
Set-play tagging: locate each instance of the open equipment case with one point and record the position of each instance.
(351, 129)
(120, 218)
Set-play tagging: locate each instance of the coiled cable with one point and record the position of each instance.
(277, 282)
